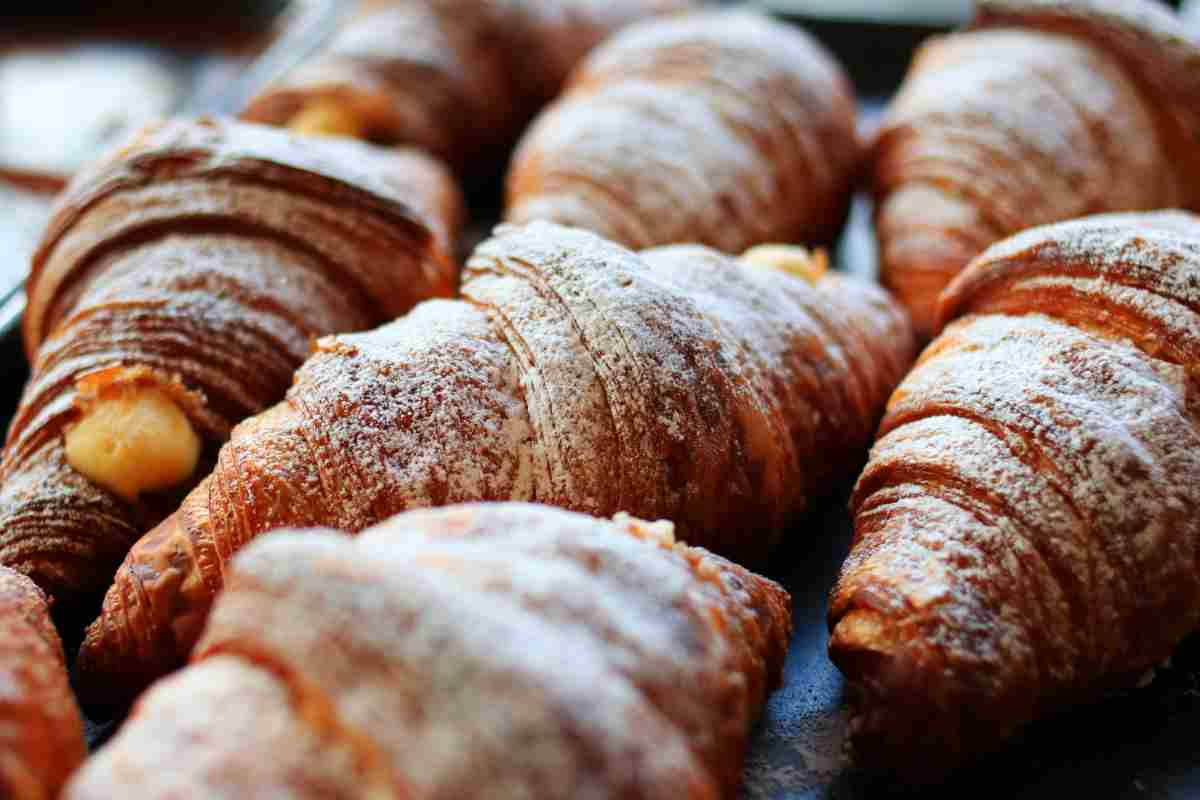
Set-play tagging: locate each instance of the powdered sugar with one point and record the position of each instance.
(1041, 112)
(719, 128)
(1031, 510)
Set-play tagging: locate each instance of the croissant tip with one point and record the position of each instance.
(860, 644)
(892, 718)
(91, 672)
(105, 677)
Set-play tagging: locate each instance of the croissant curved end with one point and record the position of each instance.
(902, 707)
(151, 616)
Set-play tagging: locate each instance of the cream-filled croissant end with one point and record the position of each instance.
(177, 288)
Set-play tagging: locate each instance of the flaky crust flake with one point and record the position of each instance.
(202, 256)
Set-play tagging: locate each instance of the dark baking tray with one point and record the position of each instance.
(1138, 744)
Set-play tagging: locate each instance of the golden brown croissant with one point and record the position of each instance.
(176, 290)
(1044, 111)
(679, 384)
(456, 78)
(1028, 527)
(722, 128)
(41, 732)
(493, 650)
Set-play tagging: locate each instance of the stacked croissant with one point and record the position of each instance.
(405, 529)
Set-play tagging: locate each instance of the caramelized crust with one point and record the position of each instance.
(1027, 531)
(41, 732)
(721, 128)
(456, 78)
(478, 651)
(1044, 111)
(678, 384)
(201, 258)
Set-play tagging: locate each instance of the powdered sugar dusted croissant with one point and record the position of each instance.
(456, 78)
(478, 651)
(679, 384)
(722, 127)
(41, 732)
(176, 290)
(1028, 527)
(1043, 111)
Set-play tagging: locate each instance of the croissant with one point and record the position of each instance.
(41, 732)
(678, 384)
(456, 78)
(723, 128)
(175, 292)
(492, 650)
(1043, 111)
(1028, 526)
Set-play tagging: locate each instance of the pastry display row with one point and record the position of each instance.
(377, 514)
